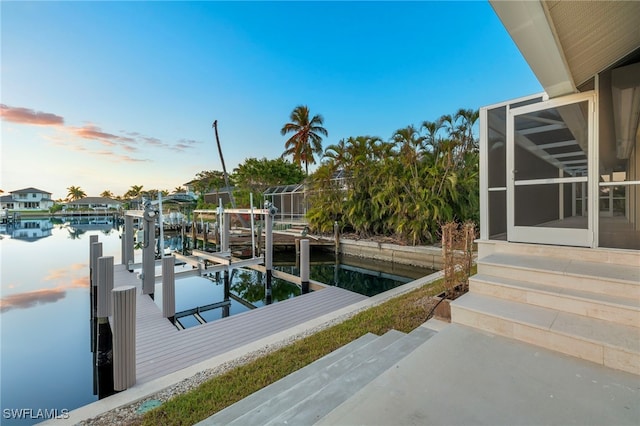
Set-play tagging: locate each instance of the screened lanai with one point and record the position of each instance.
(290, 200)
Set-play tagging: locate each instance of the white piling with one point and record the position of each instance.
(169, 287)
(161, 219)
(304, 265)
(148, 254)
(226, 230)
(124, 337)
(268, 254)
(105, 285)
(253, 231)
(95, 253)
(128, 240)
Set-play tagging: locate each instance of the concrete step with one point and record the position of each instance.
(612, 345)
(620, 310)
(319, 403)
(319, 379)
(600, 278)
(313, 390)
(258, 398)
(463, 376)
(591, 255)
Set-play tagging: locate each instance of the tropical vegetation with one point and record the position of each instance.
(403, 188)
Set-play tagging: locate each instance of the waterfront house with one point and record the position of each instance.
(559, 247)
(94, 204)
(27, 199)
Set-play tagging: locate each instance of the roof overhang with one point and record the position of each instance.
(566, 43)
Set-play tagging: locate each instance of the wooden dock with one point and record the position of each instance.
(162, 349)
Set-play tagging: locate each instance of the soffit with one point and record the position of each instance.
(594, 35)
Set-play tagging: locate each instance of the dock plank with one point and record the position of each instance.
(162, 349)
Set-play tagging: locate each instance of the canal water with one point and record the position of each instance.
(45, 349)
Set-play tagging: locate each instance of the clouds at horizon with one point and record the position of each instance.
(129, 141)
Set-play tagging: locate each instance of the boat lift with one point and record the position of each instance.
(222, 260)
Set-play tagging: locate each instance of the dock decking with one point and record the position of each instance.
(162, 349)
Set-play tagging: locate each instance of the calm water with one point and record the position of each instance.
(45, 354)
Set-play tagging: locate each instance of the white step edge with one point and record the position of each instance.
(600, 255)
(596, 278)
(621, 310)
(612, 345)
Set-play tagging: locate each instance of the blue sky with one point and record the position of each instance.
(106, 95)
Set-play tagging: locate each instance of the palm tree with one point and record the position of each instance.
(306, 140)
(133, 192)
(337, 153)
(467, 118)
(75, 193)
(178, 189)
(106, 194)
(431, 138)
(409, 143)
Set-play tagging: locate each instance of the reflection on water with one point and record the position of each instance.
(45, 357)
(45, 349)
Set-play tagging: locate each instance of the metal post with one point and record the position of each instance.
(124, 337)
(253, 230)
(220, 224)
(148, 254)
(169, 288)
(128, 241)
(268, 255)
(226, 232)
(304, 265)
(123, 249)
(161, 219)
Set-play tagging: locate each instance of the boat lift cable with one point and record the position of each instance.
(224, 172)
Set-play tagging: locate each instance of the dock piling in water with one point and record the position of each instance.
(124, 337)
(304, 265)
(169, 288)
(104, 339)
(128, 241)
(268, 255)
(148, 254)
(105, 285)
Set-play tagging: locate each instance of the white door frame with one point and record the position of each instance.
(548, 235)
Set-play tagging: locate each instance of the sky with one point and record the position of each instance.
(106, 95)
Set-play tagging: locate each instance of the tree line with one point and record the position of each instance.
(404, 187)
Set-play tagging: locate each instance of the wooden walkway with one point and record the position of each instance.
(162, 349)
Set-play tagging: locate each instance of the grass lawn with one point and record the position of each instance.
(403, 313)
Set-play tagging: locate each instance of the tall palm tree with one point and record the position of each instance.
(306, 140)
(75, 193)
